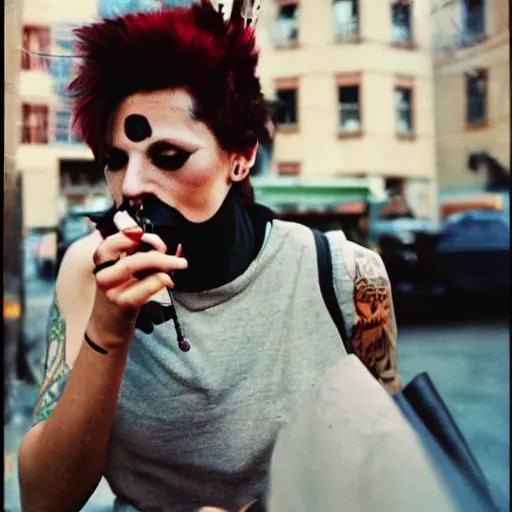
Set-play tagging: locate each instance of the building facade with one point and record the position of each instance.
(54, 165)
(351, 80)
(353, 86)
(472, 90)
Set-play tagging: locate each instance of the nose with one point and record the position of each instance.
(135, 182)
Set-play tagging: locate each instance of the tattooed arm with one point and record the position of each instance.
(375, 334)
(65, 450)
(56, 368)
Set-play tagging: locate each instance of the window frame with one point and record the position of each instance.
(26, 58)
(285, 84)
(349, 80)
(476, 125)
(406, 82)
(352, 38)
(72, 138)
(292, 43)
(465, 13)
(26, 111)
(404, 45)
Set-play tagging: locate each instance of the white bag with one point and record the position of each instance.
(349, 448)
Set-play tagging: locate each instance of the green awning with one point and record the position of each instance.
(299, 193)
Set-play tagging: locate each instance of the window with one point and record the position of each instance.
(346, 20)
(401, 22)
(63, 132)
(394, 186)
(37, 41)
(403, 99)
(35, 124)
(63, 69)
(473, 19)
(476, 97)
(288, 168)
(287, 27)
(396, 206)
(62, 122)
(286, 108)
(349, 107)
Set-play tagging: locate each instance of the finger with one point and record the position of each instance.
(115, 245)
(123, 220)
(134, 233)
(124, 279)
(135, 264)
(154, 241)
(141, 292)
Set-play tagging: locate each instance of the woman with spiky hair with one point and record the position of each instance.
(186, 328)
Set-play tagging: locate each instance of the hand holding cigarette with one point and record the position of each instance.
(127, 278)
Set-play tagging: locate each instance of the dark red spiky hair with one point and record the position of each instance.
(192, 48)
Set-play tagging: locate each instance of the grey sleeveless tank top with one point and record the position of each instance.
(197, 428)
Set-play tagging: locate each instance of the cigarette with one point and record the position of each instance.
(123, 221)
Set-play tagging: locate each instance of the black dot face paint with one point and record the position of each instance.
(137, 128)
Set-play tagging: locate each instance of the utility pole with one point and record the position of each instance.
(12, 232)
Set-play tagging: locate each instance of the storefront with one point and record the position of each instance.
(322, 204)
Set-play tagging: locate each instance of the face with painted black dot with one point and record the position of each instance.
(157, 147)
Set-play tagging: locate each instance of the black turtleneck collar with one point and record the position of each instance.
(220, 249)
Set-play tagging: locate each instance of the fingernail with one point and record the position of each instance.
(135, 232)
(183, 262)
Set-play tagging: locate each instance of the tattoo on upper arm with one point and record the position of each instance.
(56, 369)
(375, 333)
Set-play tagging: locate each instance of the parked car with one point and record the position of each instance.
(405, 243)
(473, 252)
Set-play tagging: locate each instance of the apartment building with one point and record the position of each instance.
(56, 168)
(472, 90)
(352, 81)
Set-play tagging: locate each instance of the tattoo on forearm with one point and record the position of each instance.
(375, 330)
(56, 369)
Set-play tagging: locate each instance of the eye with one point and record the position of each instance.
(115, 159)
(168, 162)
(168, 157)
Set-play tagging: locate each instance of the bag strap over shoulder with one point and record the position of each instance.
(326, 281)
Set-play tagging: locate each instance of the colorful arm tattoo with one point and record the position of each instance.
(375, 333)
(56, 369)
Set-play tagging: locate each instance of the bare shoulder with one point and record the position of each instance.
(78, 257)
(75, 289)
(76, 267)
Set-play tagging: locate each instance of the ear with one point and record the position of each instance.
(242, 164)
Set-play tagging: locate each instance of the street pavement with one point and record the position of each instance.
(468, 361)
